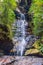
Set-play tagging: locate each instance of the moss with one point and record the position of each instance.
(39, 46)
(32, 51)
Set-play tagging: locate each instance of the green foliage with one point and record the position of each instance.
(38, 45)
(41, 48)
(36, 11)
(7, 15)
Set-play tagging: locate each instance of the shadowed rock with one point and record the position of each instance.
(5, 42)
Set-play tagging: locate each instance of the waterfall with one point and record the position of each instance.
(20, 34)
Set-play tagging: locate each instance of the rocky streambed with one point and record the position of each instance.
(18, 60)
(29, 61)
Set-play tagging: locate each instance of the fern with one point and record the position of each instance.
(7, 15)
(36, 11)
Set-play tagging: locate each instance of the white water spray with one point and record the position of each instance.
(22, 43)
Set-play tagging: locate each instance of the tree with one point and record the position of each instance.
(7, 18)
(36, 11)
(7, 15)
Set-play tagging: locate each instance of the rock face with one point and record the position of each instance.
(6, 46)
(5, 42)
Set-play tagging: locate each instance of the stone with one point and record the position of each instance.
(38, 63)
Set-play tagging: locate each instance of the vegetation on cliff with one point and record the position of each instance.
(36, 11)
(7, 15)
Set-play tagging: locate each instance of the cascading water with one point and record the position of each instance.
(20, 34)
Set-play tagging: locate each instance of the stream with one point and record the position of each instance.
(21, 36)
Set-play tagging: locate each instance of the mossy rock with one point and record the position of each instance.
(31, 51)
(38, 49)
(39, 46)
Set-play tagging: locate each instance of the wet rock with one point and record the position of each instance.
(28, 61)
(37, 63)
(18, 60)
(6, 60)
(30, 40)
